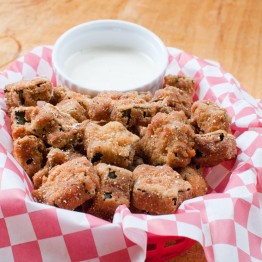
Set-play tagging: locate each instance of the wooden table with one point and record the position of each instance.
(228, 31)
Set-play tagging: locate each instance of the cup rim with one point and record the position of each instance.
(59, 72)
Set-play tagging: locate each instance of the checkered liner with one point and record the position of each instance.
(227, 222)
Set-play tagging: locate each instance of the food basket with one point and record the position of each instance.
(227, 222)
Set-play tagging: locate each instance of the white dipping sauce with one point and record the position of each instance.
(110, 68)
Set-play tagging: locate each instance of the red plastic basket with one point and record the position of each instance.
(162, 248)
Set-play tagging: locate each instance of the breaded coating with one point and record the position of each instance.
(73, 108)
(21, 121)
(128, 114)
(145, 170)
(124, 97)
(195, 177)
(114, 190)
(158, 190)
(54, 157)
(62, 93)
(184, 83)
(214, 148)
(112, 95)
(27, 92)
(102, 105)
(100, 108)
(112, 144)
(208, 117)
(176, 98)
(30, 152)
(141, 130)
(168, 139)
(133, 148)
(57, 128)
(77, 144)
(69, 185)
(135, 115)
(136, 97)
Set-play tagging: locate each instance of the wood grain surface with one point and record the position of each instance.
(227, 31)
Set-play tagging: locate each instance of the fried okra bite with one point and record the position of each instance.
(55, 127)
(183, 83)
(168, 139)
(62, 93)
(177, 93)
(112, 144)
(158, 189)
(100, 108)
(135, 97)
(30, 152)
(175, 98)
(73, 108)
(196, 179)
(132, 109)
(214, 147)
(145, 170)
(21, 121)
(69, 185)
(133, 116)
(55, 156)
(114, 190)
(208, 117)
(28, 92)
(103, 104)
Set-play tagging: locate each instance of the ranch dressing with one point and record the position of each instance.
(110, 68)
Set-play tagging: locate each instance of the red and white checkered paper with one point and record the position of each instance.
(227, 222)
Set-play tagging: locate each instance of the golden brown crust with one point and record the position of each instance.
(27, 92)
(62, 93)
(133, 116)
(100, 108)
(21, 121)
(69, 185)
(168, 139)
(111, 144)
(104, 103)
(175, 98)
(208, 117)
(158, 190)
(56, 128)
(114, 190)
(73, 108)
(184, 83)
(135, 97)
(30, 152)
(54, 157)
(144, 170)
(214, 147)
(195, 177)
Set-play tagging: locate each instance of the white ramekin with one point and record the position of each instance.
(114, 33)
